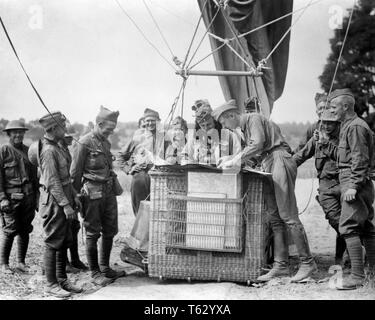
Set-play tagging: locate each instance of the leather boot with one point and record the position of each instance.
(74, 255)
(307, 265)
(340, 249)
(280, 266)
(5, 249)
(92, 253)
(105, 253)
(22, 246)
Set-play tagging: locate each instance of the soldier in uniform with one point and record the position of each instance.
(75, 264)
(262, 139)
(355, 156)
(93, 174)
(18, 195)
(320, 102)
(58, 205)
(328, 175)
(138, 156)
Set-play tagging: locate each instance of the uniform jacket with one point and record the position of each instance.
(15, 169)
(325, 166)
(260, 136)
(354, 152)
(91, 160)
(55, 172)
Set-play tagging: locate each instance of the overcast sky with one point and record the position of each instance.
(84, 53)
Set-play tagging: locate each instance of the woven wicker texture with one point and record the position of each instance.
(227, 243)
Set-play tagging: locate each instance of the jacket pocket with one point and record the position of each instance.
(10, 170)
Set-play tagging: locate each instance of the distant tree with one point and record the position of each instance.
(357, 66)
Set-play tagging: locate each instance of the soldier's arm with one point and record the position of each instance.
(79, 155)
(305, 153)
(360, 155)
(329, 149)
(2, 193)
(255, 141)
(51, 177)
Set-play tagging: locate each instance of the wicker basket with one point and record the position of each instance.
(180, 249)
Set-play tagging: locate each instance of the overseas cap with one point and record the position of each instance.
(229, 105)
(340, 92)
(151, 113)
(51, 119)
(106, 114)
(328, 116)
(15, 125)
(320, 97)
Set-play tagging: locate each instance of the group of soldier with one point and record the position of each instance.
(59, 184)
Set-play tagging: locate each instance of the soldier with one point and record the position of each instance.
(58, 205)
(75, 262)
(141, 152)
(328, 175)
(263, 139)
(320, 102)
(355, 157)
(93, 174)
(18, 195)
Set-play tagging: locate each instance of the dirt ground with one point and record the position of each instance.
(137, 286)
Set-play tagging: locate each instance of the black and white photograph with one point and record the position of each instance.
(200, 151)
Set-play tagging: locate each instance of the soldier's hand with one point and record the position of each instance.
(70, 214)
(350, 194)
(316, 135)
(78, 203)
(323, 137)
(5, 205)
(222, 160)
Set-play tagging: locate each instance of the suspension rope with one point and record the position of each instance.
(233, 31)
(285, 34)
(172, 13)
(200, 43)
(275, 20)
(204, 58)
(144, 36)
(174, 104)
(195, 32)
(332, 82)
(157, 26)
(32, 84)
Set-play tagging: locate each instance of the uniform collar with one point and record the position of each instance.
(349, 119)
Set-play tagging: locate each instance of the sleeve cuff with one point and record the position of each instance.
(353, 186)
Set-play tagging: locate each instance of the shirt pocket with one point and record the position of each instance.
(96, 160)
(10, 170)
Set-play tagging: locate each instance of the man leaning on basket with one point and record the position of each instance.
(262, 139)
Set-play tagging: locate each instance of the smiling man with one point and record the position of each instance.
(18, 189)
(355, 157)
(92, 174)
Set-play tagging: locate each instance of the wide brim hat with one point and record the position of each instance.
(328, 116)
(229, 105)
(15, 125)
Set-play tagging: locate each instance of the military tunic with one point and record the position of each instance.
(354, 155)
(92, 174)
(328, 175)
(56, 192)
(17, 177)
(263, 140)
